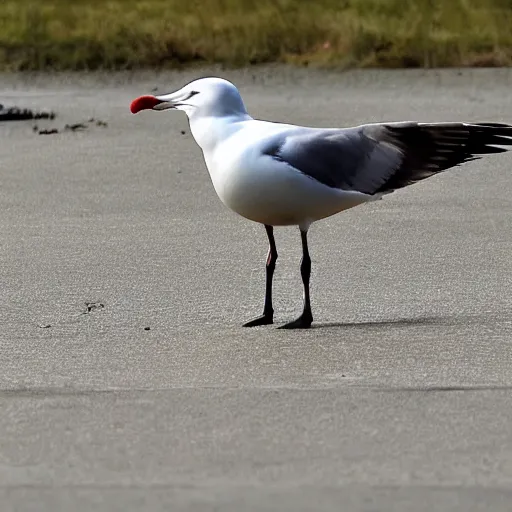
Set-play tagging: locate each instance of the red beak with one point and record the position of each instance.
(143, 103)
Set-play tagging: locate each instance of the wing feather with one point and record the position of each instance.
(379, 158)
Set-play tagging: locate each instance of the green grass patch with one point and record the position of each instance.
(130, 34)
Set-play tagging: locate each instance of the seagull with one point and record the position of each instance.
(285, 175)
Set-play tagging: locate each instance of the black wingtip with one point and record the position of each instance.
(432, 148)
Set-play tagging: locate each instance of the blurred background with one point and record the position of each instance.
(131, 34)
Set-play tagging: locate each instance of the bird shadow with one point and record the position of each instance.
(392, 322)
(445, 389)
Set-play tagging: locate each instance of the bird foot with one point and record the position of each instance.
(261, 320)
(303, 322)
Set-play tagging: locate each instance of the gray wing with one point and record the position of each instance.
(378, 158)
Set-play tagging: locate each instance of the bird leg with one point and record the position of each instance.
(306, 318)
(268, 311)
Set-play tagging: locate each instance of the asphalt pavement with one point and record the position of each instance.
(126, 380)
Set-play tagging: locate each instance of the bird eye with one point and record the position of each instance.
(193, 93)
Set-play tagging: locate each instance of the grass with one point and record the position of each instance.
(130, 34)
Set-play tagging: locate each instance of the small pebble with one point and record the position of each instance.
(75, 127)
(147, 328)
(94, 305)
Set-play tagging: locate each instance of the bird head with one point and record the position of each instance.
(205, 97)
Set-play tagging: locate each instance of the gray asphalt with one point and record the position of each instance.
(399, 399)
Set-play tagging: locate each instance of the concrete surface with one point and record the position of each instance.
(399, 399)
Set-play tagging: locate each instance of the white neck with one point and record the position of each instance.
(208, 131)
